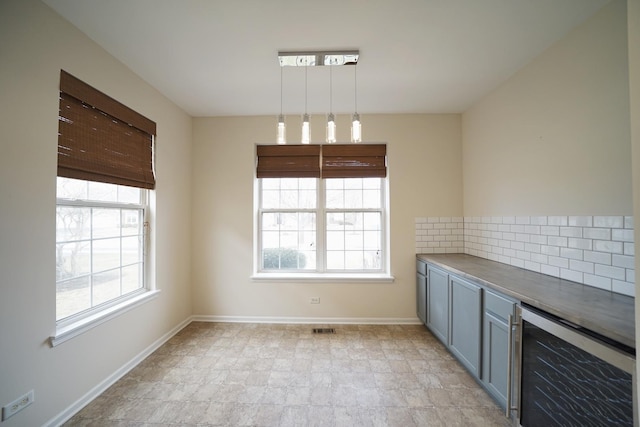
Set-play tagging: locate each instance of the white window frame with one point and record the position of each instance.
(78, 323)
(322, 273)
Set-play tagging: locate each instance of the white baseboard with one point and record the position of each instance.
(111, 379)
(310, 320)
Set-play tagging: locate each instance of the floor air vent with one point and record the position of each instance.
(324, 331)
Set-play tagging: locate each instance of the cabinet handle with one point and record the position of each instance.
(509, 365)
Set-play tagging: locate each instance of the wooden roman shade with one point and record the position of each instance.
(322, 161)
(288, 161)
(354, 161)
(99, 139)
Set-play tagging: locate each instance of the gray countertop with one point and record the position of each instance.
(600, 311)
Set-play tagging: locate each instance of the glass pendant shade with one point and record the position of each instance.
(306, 130)
(282, 131)
(356, 129)
(331, 128)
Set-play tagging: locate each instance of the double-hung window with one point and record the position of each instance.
(322, 210)
(105, 174)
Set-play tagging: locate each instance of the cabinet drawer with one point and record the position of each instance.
(499, 305)
(421, 267)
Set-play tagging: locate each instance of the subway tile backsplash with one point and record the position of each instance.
(595, 250)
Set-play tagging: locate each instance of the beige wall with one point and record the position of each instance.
(35, 43)
(554, 139)
(424, 156)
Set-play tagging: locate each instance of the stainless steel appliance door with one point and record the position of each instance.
(569, 378)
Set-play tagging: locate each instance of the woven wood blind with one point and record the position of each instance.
(99, 139)
(288, 161)
(354, 161)
(322, 161)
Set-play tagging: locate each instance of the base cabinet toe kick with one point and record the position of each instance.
(540, 368)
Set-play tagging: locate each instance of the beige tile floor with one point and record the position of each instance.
(225, 374)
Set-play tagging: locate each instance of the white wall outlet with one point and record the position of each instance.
(315, 300)
(17, 405)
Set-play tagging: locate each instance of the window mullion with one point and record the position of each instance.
(321, 228)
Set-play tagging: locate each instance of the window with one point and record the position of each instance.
(105, 174)
(330, 223)
(100, 244)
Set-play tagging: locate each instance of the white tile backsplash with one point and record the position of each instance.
(595, 250)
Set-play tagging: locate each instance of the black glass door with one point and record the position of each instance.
(563, 385)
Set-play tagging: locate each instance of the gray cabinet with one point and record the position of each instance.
(438, 303)
(497, 309)
(421, 291)
(465, 327)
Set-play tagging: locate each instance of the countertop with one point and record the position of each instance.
(604, 312)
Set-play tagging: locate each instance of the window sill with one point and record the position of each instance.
(72, 330)
(327, 277)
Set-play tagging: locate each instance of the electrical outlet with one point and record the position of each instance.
(315, 300)
(17, 405)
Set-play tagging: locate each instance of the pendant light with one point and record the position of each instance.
(282, 130)
(331, 120)
(306, 130)
(356, 127)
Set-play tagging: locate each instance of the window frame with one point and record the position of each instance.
(82, 321)
(321, 273)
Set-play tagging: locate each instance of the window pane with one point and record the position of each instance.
(106, 286)
(72, 223)
(371, 199)
(270, 199)
(131, 222)
(73, 296)
(335, 221)
(335, 260)
(353, 183)
(106, 222)
(100, 191)
(372, 260)
(307, 183)
(73, 260)
(73, 189)
(353, 199)
(289, 221)
(131, 278)
(372, 221)
(372, 240)
(270, 183)
(335, 199)
(372, 183)
(288, 199)
(354, 240)
(270, 239)
(131, 250)
(288, 240)
(128, 194)
(288, 193)
(307, 199)
(335, 240)
(106, 254)
(353, 260)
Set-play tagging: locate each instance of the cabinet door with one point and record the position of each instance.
(438, 303)
(466, 323)
(495, 358)
(497, 309)
(421, 297)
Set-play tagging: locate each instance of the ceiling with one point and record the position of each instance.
(219, 57)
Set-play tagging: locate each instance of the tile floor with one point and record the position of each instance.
(226, 374)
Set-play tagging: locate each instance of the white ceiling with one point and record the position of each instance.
(219, 57)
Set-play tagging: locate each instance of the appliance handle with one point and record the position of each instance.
(508, 407)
